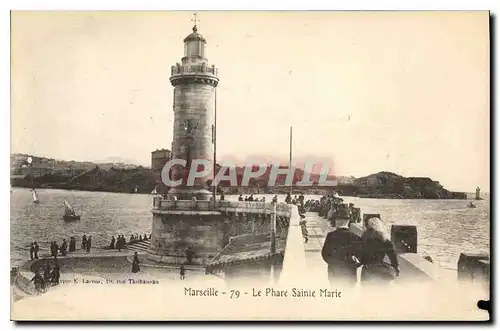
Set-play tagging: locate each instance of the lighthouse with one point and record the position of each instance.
(194, 81)
(186, 228)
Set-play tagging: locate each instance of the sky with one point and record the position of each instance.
(405, 92)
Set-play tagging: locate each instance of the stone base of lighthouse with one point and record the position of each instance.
(205, 233)
(189, 193)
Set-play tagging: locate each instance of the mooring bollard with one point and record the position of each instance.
(356, 215)
(473, 267)
(404, 238)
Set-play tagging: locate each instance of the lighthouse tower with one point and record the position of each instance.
(194, 81)
(183, 225)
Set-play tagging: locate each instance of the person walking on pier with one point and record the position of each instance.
(120, 243)
(275, 198)
(32, 251)
(72, 244)
(37, 280)
(303, 227)
(55, 275)
(64, 248)
(53, 248)
(112, 245)
(135, 264)
(376, 245)
(182, 271)
(46, 272)
(37, 248)
(84, 242)
(89, 243)
(341, 251)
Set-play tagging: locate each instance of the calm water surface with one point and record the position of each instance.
(446, 228)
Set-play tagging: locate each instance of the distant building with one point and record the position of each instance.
(159, 158)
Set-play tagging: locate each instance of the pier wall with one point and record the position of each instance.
(206, 228)
(413, 267)
(85, 264)
(294, 262)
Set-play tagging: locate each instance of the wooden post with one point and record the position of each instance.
(273, 229)
(273, 242)
(290, 163)
(214, 140)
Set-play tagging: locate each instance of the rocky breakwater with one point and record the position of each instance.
(387, 185)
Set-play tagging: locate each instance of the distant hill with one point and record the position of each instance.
(390, 185)
(123, 177)
(17, 160)
(118, 162)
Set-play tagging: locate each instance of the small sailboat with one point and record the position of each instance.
(154, 191)
(35, 196)
(69, 212)
(136, 190)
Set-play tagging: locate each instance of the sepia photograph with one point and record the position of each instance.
(250, 165)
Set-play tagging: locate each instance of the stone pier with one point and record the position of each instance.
(204, 227)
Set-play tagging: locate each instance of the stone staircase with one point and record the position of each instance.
(140, 246)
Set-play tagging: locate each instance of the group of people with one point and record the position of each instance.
(332, 207)
(46, 277)
(86, 243)
(251, 198)
(55, 248)
(138, 238)
(297, 200)
(34, 249)
(120, 242)
(312, 205)
(344, 252)
(64, 248)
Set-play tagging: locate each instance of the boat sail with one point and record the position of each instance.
(69, 212)
(35, 196)
(136, 190)
(154, 191)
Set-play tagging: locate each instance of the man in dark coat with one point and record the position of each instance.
(37, 248)
(342, 251)
(135, 264)
(32, 250)
(89, 243)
